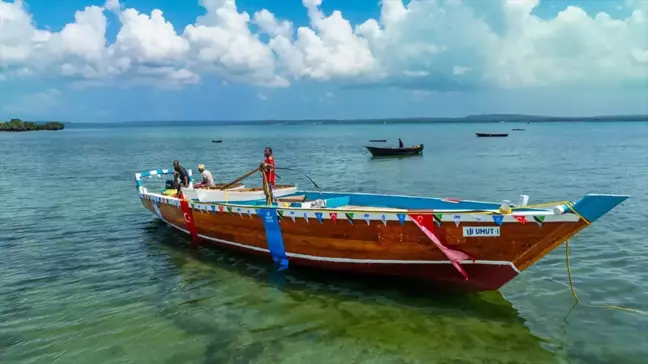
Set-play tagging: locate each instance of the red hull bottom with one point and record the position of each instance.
(481, 277)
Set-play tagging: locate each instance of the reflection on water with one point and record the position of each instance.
(256, 314)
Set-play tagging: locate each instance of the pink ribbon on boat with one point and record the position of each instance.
(454, 256)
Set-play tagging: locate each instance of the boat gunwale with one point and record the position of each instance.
(378, 210)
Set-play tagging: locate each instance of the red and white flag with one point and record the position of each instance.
(188, 218)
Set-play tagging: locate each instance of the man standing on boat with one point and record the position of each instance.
(267, 166)
(400, 143)
(208, 179)
(181, 177)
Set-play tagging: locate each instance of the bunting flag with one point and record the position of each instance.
(249, 212)
(454, 256)
(238, 209)
(256, 211)
(319, 217)
(479, 218)
(333, 216)
(367, 218)
(384, 219)
(220, 209)
(457, 220)
(499, 219)
(292, 215)
(539, 220)
(401, 218)
(437, 218)
(229, 209)
(306, 217)
(521, 219)
(213, 208)
(349, 216)
(189, 221)
(280, 214)
(426, 221)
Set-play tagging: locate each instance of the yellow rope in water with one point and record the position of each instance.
(573, 290)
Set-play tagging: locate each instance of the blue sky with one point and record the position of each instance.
(226, 60)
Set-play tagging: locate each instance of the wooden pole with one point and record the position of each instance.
(241, 178)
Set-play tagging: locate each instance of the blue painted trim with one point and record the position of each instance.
(274, 237)
(593, 206)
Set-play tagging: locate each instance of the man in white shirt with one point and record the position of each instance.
(208, 179)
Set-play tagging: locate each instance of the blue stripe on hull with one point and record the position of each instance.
(274, 237)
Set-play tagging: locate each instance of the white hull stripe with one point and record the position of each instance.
(349, 260)
(362, 217)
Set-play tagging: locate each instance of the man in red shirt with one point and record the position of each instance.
(268, 166)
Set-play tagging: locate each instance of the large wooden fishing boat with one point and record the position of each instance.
(464, 244)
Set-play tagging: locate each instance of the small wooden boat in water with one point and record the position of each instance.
(468, 245)
(216, 193)
(235, 194)
(378, 140)
(394, 151)
(217, 141)
(518, 129)
(492, 135)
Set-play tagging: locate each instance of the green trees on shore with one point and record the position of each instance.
(19, 125)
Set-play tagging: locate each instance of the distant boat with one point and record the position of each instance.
(492, 135)
(518, 129)
(378, 140)
(217, 141)
(395, 151)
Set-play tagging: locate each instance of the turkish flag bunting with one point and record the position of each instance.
(424, 220)
(426, 224)
(189, 221)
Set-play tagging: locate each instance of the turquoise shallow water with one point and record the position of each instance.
(88, 275)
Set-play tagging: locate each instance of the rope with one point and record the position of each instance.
(573, 290)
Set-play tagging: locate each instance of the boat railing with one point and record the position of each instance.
(159, 173)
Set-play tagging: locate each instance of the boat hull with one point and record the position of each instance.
(492, 135)
(390, 152)
(381, 243)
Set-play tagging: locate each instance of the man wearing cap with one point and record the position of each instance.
(208, 179)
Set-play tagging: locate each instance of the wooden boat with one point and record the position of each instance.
(492, 135)
(378, 140)
(469, 245)
(217, 141)
(518, 129)
(236, 192)
(395, 151)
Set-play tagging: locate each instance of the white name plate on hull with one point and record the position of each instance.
(479, 231)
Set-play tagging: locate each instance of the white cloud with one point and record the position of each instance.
(428, 44)
(37, 103)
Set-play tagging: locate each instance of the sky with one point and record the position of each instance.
(137, 60)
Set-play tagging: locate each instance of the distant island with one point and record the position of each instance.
(16, 125)
(484, 118)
